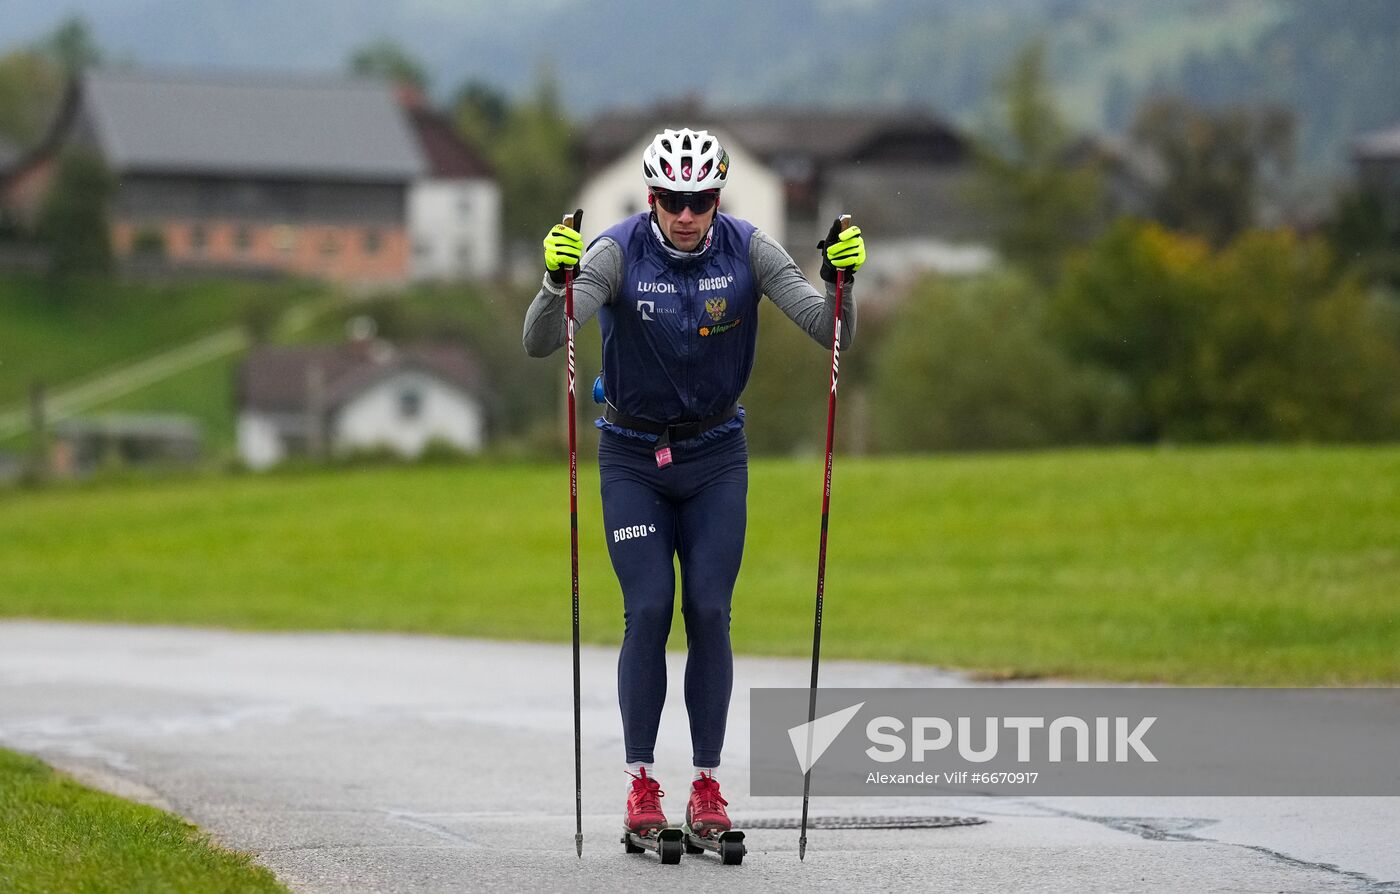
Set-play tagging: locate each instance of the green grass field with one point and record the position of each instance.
(56, 835)
(60, 333)
(1222, 566)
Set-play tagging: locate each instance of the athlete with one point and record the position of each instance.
(676, 292)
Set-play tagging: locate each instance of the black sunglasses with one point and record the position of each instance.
(674, 202)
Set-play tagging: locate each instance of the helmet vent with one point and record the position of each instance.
(685, 160)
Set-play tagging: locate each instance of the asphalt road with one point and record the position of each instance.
(415, 764)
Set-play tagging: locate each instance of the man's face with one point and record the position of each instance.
(685, 228)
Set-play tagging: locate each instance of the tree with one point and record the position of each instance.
(71, 46)
(970, 367)
(480, 112)
(1132, 304)
(1261, 340)
(1364, 237)
(1042, 204)
(1214, 162)
(387, 60)
(31, 88)
(73, 219)
(536, 162)
(1291, 351)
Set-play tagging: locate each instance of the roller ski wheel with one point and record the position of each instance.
(729, 845)
(668, 844)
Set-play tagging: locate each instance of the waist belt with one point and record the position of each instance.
(669, 433)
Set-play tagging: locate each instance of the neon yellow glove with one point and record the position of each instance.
(562, 248)
(843, 249)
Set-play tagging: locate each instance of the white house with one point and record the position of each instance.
(331, 400)
(754, 191)
(902, 173)
(455, 226)
(454, 210)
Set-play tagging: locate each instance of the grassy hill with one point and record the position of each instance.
(66, 334)
(63, 332)
(1261, 566)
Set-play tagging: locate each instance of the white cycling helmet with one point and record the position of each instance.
(686, 161)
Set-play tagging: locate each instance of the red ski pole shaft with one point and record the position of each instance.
(574, 221)
(821, 553)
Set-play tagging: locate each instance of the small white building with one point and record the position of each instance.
(454, 211)
(322, 401)
(754, 191)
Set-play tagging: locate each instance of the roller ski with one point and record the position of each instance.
(644, 828)
(707, 826)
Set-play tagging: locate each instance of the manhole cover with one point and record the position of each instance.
(862, 822)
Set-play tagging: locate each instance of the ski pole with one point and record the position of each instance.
(573, 222)
(845, 222)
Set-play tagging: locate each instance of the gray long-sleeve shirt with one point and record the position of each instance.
(601, 275)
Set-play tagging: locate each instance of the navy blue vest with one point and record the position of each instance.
(679, 338)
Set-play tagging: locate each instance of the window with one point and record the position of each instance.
(373, 242)
(284, 238)
(464, 208)
(243, 239)
(410, 403)
(199, 239)
(330, 245)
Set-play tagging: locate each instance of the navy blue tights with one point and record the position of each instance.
(694, 509)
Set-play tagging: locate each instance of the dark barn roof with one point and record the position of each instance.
(447, 155)
(289, 126)
(819, 135)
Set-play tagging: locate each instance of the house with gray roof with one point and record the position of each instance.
(302, 174)
(366, 394)
(455, 208)
(901, 173)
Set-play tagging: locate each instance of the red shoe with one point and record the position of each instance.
(705, 815)
(644, 805)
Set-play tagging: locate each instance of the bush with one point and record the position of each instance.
(970, 367)
(785, 400)
(1132, 306)
(73, 219)
(1262, 340)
